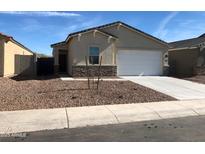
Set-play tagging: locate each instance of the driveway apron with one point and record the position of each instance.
(177, 88)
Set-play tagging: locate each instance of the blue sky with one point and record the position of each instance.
(37, 30)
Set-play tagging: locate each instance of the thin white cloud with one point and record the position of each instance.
(185, 29)
(30, 25)
(78, 25)
(42, 13)
(34, 25)
(161, 31)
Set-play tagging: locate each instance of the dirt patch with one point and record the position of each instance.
(54, 93)
(198, 78)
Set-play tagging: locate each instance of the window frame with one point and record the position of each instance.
(93, 46)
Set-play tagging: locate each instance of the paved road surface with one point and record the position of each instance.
(180, 129)
(177, 88)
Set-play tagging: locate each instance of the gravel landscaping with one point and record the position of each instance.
(198, 78)
(54, 93)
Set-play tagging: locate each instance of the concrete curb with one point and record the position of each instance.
(73, 79)
(32, 120)
(45, 119)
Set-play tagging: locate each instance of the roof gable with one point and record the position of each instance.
(139, 32)
(10, 38)
(112, 24)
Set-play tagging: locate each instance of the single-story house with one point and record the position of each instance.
(15, 58)
(124, 49)
(187, 57)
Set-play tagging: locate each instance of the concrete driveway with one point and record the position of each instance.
(178, 88)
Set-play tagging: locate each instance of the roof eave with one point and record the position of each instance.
(58, 44)
(22, 46)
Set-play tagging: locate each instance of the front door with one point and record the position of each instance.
(62, 63)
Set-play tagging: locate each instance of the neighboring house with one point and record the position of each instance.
(15, 59)
(187, 57)
(125, 50)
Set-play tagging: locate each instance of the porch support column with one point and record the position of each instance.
(56, 62)
(114, 52)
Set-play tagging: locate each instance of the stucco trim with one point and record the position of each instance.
(96, 30)
(76, 35)
(185, 48)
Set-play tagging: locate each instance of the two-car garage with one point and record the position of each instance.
(139, 62)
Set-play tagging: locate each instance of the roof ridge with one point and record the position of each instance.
(192, 42)
(183, 40)
(202, 35)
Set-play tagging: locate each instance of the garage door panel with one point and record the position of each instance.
(139, 62)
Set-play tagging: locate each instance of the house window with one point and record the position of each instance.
(94, 55)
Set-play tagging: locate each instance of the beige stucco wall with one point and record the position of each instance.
(17, 60)
(1, 56)
(130, 39)
(80, 48)
(183, 62)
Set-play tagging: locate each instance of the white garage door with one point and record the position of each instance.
(139, 62)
